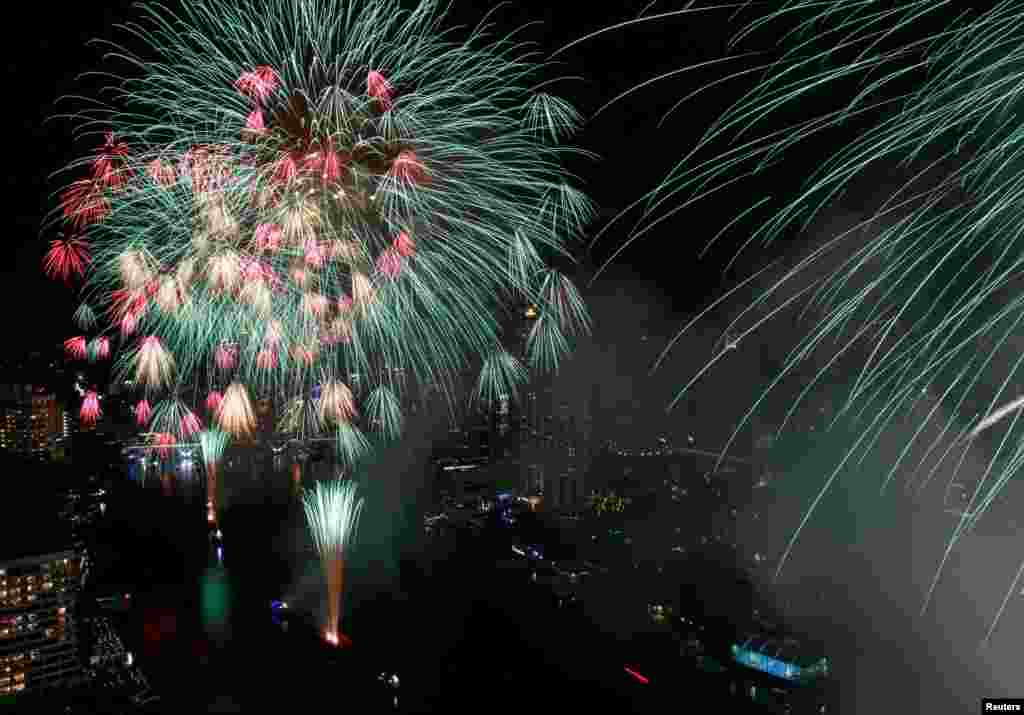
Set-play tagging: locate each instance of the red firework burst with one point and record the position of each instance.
(226, 356)
(213, 401)
(403, 245)
(379, 88)
(285, 168)
(302, 355)
(266, 359)
(125, 303)
(101, 348)
(66, 257)
(161, 174)
(190, 424)
(75, 348)
(407, 169)
(314, 254)
(142, 412)
(267, 237)
(258, 84)
(254, 125)
(129, 324)
(84, 203)
(108, 167)
(390, 263)
(90, 408)
(331, 164)
(163, 442)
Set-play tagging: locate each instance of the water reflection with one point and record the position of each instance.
(215, 598)
(203, 584)
(287, 472)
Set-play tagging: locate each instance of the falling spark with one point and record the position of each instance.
(235, 415)
(332, 515)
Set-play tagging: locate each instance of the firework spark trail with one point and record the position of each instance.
(927, 86)
(997, 416)
(287, 192)
(332, 515)
(212, 443)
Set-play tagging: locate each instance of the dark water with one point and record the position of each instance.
(461, 632)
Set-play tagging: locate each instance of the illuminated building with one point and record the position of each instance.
(46, 420)
(31, 419)
(39, 582)
(14, 427)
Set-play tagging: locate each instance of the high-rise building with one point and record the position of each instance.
(46, 420)
(40, 578)
(38, 629)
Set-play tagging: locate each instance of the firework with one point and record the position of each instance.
(90, 408)
(213, 400)
(300, 417)
(172, 416)
(500, 377)
(66, 258)
(226, 356)
(234, 415)
(85, 317)
(212, 443)
(352, 444)
(142, 412)
(76, 348)
(99, 348)
(332, 514)
(336, 404)
(922, 295)
(154, 365)
(163, 442)
(385, 411)
(333, 209)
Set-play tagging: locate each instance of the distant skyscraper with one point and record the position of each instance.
(38, 621)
